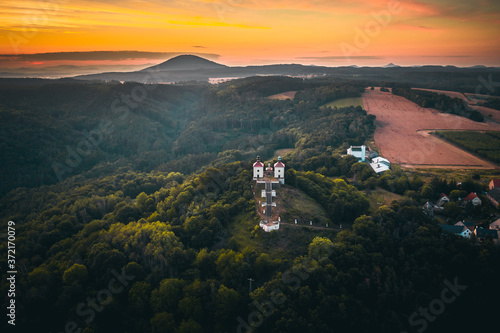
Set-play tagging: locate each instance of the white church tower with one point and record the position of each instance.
(258, 169)
(279, 170)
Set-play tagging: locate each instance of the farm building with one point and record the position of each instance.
(494, 196)
(458, 230)
(380, 164)
(473, 198)
(494, 183)
(357, 151)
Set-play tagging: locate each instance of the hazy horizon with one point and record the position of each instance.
(35, 35)
(67, 64)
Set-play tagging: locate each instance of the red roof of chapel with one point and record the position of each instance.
(258, 164)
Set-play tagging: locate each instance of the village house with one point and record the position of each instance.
(472, 198)
(495, 225)
(494, 183)
(484, 234)
(494, 196)
(443, 199)
(459, 230)
(469, 224)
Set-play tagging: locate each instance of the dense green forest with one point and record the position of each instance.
(486, 145)
(156, 230)
(54, 131)
(441, 102)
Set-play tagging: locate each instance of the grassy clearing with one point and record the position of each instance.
(295, 204)
(284, 95)
(380, 197)
(282, 152)
(345, 102)
(290, 241)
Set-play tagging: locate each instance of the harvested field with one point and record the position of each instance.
(284, 95)
(402, 133)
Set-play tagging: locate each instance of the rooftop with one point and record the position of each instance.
(496, 182)
(495, 194)
(481, 232)
(454, 229)
(471, 196)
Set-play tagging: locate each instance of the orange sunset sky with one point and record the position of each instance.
(243, 32)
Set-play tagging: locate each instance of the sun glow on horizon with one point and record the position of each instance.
(250, 32)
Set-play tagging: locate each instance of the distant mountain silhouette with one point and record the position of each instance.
(185, 63)
(391, 65)
(193, 68)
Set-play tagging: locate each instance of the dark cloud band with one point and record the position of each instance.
(99, 55)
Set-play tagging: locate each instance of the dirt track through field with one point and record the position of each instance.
(402, 133)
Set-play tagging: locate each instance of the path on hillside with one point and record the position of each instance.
(310, 226)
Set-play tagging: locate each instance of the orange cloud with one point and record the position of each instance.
(242, 30)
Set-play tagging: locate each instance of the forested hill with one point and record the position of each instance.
(178, 266)
(153, 227)
(54, 131)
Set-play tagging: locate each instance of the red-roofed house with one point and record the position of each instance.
(473, 198)
(258, 169)
(494, 183)
(443, 199)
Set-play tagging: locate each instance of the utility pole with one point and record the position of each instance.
(250, 288)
